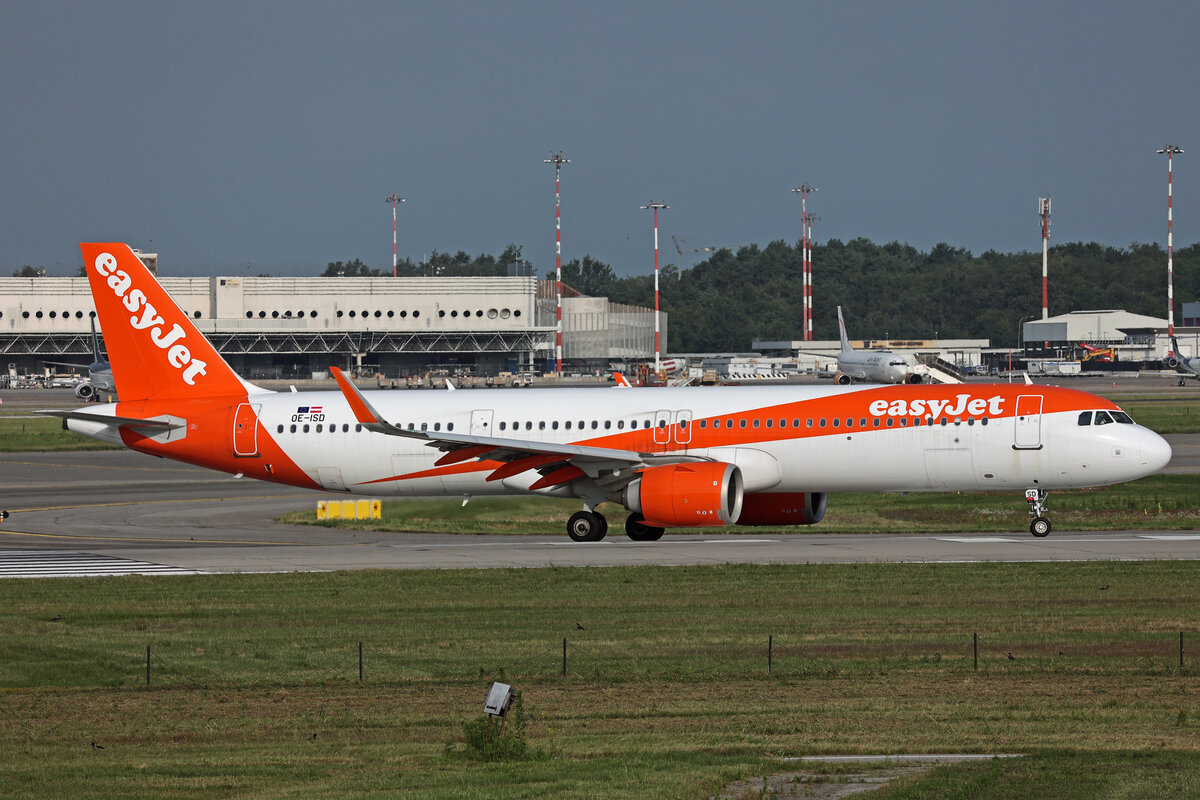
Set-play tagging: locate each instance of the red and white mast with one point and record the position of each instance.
(806, 232)
(557, 161)
(395, 198)
(1044, 212)
(657, 352)
(1170, 150)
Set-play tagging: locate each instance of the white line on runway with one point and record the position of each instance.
(67, 564)
(1171, 537)
(975, 539)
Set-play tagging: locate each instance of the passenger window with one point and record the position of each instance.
(741, 423)
(703, 423)
(279, 429)
(620, 424)
(808, 422)
(346, 427)
(568, 424)
(891, 422)
(645, 423)
(875, 422)
(449, 426)
(983, 421)
(502, 425)
(529, 425)
(424, 426)
(554, 425)
(756, 422)
(862, 422)
(822, 422)
(306, 428)
(542, 425)
(293, 429)
(1085, 418)
(437, 426)
(795, 423)
(683, 424)
(320, 428)
(358, 427)
(904, 422)
(770, 422)
(837, 422)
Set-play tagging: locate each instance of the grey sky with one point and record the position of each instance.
(221, 134)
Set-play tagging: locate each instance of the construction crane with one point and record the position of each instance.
(681, 251)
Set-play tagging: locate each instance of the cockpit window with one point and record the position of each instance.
(895, 363)
(1122, 417)
(1085, 418)
(1102, 418)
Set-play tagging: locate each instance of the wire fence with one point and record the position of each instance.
(580, 658)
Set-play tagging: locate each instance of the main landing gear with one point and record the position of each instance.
(1039, 526)
(588, 526)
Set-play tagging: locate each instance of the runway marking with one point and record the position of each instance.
(975, 539)
(66, 564)
(140, 539)
(1177, 537)
(96, 466)
(156, 502)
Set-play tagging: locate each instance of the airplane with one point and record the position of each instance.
(1186, 367)
(871, 366)
(100, 377)
(674, 457)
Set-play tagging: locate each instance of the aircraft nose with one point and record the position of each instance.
(1155, 451)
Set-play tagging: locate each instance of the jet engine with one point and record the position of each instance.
(783, 508)
(85, 391)
(913, 378)
(842, 379)
(689, 495)
(1171, 361)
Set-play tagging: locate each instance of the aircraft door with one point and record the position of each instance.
(245, 430)
(662, 427)
(683, 426)
(1027, 431)
(481, 422)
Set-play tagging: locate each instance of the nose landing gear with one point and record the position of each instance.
(1036, 498)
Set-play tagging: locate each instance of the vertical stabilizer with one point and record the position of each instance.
(153, 347)
(846, 348)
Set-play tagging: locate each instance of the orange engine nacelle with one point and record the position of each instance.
(783, 508)
(687, 495)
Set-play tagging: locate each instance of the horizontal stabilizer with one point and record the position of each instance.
(108, 419)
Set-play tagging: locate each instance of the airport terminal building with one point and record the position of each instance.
(268, 327)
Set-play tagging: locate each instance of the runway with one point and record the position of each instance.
(119, 512)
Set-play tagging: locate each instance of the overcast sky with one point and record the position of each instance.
(225, 134)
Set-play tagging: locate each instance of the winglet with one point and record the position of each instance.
(364, 412)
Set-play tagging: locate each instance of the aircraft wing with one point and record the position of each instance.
(557, 463)
(122, 422)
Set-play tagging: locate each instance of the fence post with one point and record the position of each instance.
(360, 662)
(770, 651)
(147, 665)
(564, 670)
(1181, 650)
(975, 648)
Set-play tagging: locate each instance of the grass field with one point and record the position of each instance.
(255, 691)
(1158, 502)
(42, 434)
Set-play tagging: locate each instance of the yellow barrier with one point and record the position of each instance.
(349, 509)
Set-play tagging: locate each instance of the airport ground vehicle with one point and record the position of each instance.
(674, 456)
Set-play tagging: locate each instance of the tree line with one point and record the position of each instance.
(891, 290)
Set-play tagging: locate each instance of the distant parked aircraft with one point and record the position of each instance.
(870, 366)
(100, 378)
(1188, 367)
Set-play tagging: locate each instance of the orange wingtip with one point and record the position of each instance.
(361, 412)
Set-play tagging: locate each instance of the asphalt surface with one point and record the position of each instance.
(124, 507)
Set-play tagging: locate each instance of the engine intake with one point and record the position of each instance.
(783, 508)
(687, 495)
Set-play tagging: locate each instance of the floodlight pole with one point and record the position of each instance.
(806, 324)
(1170, 150)
(1044, 212)
(657, 352)
(393, 199)
(557, 160)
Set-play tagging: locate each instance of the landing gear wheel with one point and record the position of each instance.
(586, 526)
(637, 529)
(1039, 526)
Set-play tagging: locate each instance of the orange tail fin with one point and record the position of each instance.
(154, 349)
